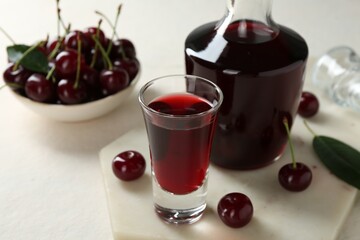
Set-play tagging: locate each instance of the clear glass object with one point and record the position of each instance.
(180, 113)
(259, 65)
(337, 72)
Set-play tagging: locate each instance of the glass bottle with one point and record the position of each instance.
(259, 65)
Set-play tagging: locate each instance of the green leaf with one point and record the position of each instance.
(341, 159)
(34, 61)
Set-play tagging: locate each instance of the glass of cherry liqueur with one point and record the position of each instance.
(259, 65)
(180, 113)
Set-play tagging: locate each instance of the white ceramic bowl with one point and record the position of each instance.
(79, 112)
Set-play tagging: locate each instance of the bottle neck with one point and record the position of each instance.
(255, 10)
(248, 21)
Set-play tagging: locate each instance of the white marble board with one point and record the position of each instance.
(315, 214)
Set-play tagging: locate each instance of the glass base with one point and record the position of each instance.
(180, 216)
(179, 208)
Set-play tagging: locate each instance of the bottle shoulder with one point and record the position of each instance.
(205, 43)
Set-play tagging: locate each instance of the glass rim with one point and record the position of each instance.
(151, 82)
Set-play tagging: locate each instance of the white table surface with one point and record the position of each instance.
(51, 185)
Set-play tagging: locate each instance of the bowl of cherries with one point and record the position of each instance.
(77, 76)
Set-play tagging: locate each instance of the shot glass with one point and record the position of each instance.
(180, 114)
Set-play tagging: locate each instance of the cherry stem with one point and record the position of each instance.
(7, 35)
(108, 21)
(56, 48)
(104, 54)
(60, 20)
(68, 28)
(122, 52)
(93, 60)
(43, 43)
(309, 129)
(77, 78)
(286, 124)
(50, 73)
(114, 28)
(29, 50)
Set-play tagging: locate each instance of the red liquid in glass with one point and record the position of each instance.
(180, 158)
(260, 72)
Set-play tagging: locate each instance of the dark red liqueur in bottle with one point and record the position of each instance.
(260, 68)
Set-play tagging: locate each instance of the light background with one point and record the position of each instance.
(50, 180)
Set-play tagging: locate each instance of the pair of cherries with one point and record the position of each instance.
(296, 176)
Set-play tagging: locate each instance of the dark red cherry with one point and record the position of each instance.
(68, 93)
(295, 179)
(309, 105)
(121, 47)
(92, 31)
(235, 210)
(16, 78)
(50, 45)
(128, 165)
(113, 81)
(90, 76)
(39, 89)
(131, 66)
(66, 63)
(99, 60)
(71, 40)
